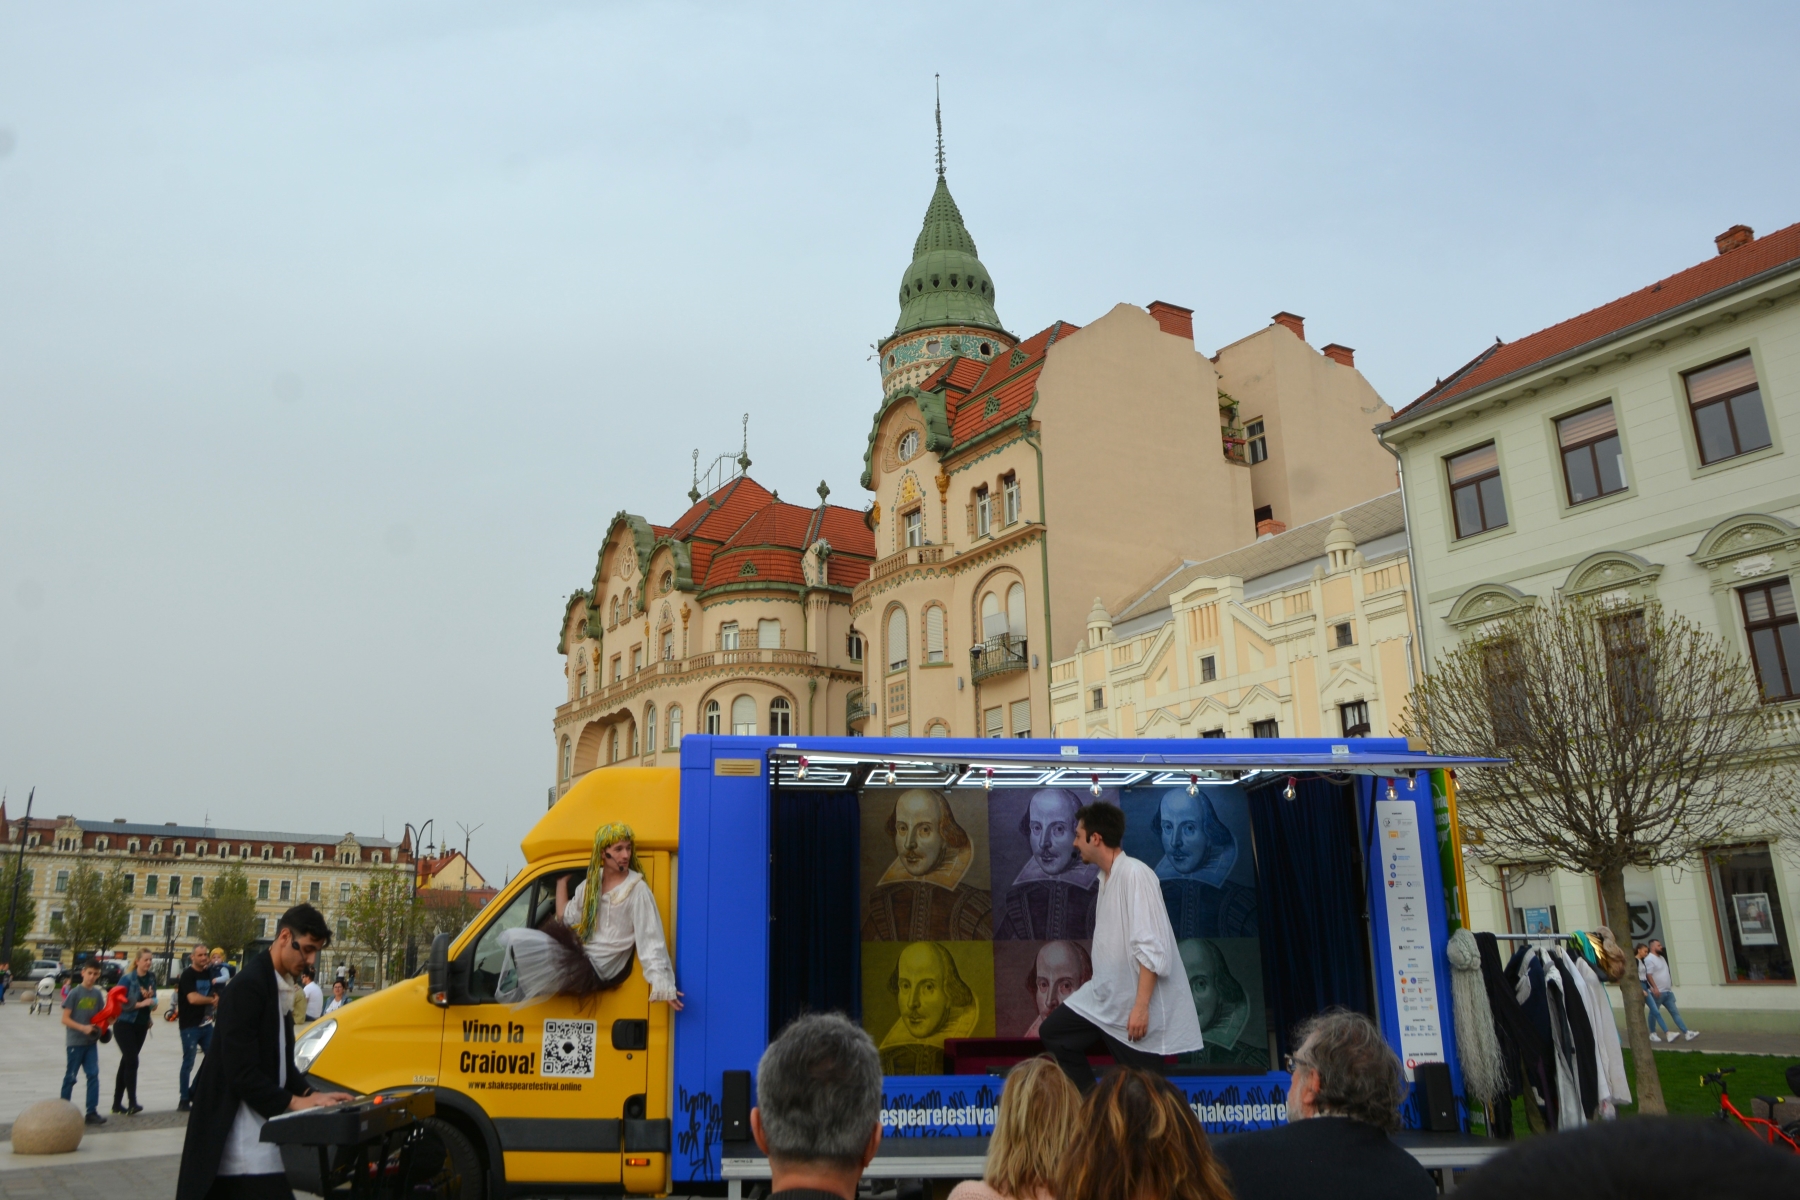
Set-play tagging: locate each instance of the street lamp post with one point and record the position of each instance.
(412, 894)
(6, 943)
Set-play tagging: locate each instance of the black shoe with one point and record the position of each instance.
(135, 1109)
(184, 1106)
(95, 1118)
(117, 1111)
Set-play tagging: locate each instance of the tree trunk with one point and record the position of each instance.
(1637, 1026)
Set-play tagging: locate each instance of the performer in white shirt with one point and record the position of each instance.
(590, 949)
(1137, 1006)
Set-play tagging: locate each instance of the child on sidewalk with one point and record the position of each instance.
(82, 1042)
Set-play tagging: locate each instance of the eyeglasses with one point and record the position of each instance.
(1290, 1061)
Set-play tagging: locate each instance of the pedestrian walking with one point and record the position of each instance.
(131, 1028)
(1659, 988)
(82, 1042)
(194, 1004)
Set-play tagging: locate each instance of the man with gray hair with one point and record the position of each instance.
(818, 1108)
(1343, 1101)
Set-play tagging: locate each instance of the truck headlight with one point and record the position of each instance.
(312, 1043)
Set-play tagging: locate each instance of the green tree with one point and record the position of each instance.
(446, 912)
(228, 914)
(95, 911)
(24, 918)
(378, 916)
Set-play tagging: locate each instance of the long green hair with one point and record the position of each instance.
(610, 834)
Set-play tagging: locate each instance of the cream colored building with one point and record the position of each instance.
(1015, 480)
(1307, 633)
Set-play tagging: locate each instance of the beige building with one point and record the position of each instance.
(1306, 633)
(168, 869)
(734, 619)
(1015, 480)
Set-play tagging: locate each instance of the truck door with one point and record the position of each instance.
(558, 1077)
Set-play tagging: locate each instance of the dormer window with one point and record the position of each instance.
(909, 444)
(131, 847)
(318, 856)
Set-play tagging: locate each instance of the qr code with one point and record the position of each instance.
(569, 1049)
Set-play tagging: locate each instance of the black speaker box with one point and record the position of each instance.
(734, 1106)
(1437, 1102)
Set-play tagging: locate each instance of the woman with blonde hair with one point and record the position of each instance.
(1038, 1107)
(1137, 1139)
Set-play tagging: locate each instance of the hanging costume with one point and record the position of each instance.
(589, 950)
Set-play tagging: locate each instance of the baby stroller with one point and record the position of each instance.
(44, 999)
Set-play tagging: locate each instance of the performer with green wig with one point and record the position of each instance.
(590, 949)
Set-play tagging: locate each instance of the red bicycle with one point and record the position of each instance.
(1768, 1131)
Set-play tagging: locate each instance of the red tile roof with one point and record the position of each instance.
(736, 501)
(1776, 251)
(1009, 380)
(774, 538)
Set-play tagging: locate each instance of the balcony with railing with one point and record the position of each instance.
(676, 668)
(999, 655)
(854, 708)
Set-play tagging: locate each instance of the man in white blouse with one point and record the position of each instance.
(1137, 1006)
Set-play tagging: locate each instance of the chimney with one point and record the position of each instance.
(1297, 324)
(1340, 354)
(1173, 318)
(1731, 239)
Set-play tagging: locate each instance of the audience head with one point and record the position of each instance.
(1038, 1109)
(1135, 1137)
(1344, 1068)
(818, 1099)
(1645, 1158)
(90, 971)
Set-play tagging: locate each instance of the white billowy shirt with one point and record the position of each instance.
(626, 919)
(1131, 929)
(245, 1152)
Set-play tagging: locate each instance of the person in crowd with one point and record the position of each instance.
(130, 1029)
(194, 1003)
(338, 991)
(1137, 1005)
(350, 975)
(5, 981)
(82, 1041)
(1343, 1101)
(818, 1108)
(1137, 1139)
(249, 1073)
(1645, 1158)
(315, 995)
(1038, 1111)
(1659, 988)
(221, 969)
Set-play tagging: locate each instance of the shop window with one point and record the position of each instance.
(1353, 718)
(934, 634)
(1096, 699)
(1343, 634)
(712, 716)
(1530, 901)
(1265, 729)
(1209, 669)
(1774, 633)
(728, 636)
(768, 635)
(1753, 932)
(1009, 492)
(984, 512)
(1475, 493)
(896, 633)
(674, 720)
(781, 718)
(743, 717)
(1593, 460)
(1257, 440)
(1726, 403)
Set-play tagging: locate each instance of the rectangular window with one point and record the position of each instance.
(581, 684)
(262, 889)
(174, 885)
(1096, 699)
(312, 892)
(984, 512)
(343, 893)
(934, 634)
(728, 636)
(150, 884)
(768, 635)
(1209, 669)
(1509, 700)
(1530, 901)
(915, 527)
(1752, 927)
(199, 888)
(1343, 634)
(287, 889)
(618, 668)
(1265, 729)
(854, 646)
(637, 659)
(1630, 670)
(146, 924)
(193, 925)
(1021, 718)
(1774, 634)
(262, 928)
(668, 651)
(1212, 733)
(903, 729)
(993, 722)
(1353, 718)
(1728, 411)
(1475, 493)
(131, 885)
(62, 881)
(1009, 489)
(1593, 460)
(56, 921)
(1258, 441)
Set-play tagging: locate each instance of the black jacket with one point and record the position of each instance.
(242, 1064)
(1325, 1158)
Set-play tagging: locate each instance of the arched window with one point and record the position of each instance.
(625, 602)
(712, 716)
(612, 745)
(934, 634)
(993, 623)
(649, 729)
(674, 726)
(781, 718)
(568, 757)
(743, 717)
(1015, 610)
(631, 742)
(614, 618)
(897, 640)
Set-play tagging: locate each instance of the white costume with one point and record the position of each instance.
(1131, 929)
(625, 920)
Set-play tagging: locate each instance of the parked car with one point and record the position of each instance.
(43, 968)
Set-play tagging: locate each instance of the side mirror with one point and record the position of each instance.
(437, 973)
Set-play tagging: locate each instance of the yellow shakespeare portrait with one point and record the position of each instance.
(935, 1005)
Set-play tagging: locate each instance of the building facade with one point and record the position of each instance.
(1637, 453)
(1308, 633)
(1013, 480)
(734, 619)
(168, 869)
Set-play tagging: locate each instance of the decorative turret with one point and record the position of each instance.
(1099, 625)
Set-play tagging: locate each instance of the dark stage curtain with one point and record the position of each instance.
(815, 941)
(1310, 898)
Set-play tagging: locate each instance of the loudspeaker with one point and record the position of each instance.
(1437, 1102)
(734, 1107)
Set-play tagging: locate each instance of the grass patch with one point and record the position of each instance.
(1680, 1071)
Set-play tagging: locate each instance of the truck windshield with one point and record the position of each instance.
(531, 907)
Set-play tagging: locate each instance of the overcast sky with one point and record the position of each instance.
(332, 335)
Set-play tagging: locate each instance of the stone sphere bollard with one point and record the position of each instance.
(47, 1127)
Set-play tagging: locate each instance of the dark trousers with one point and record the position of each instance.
(196, 1040)
(1071, 1037)
(129, 1036)
(250, 1187)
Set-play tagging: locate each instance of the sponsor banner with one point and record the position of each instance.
(966, 1105)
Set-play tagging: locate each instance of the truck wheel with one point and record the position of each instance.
(459, 1155)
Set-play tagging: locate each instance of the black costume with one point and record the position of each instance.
(1333, 1158)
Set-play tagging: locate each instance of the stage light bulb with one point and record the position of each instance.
(890, 775)
(1193, 785)
(1287, 793)
(1392, 793)
(801, 774)
(1095, 786)
(987, 783)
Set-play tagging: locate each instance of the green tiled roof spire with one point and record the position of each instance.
(946, 283)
